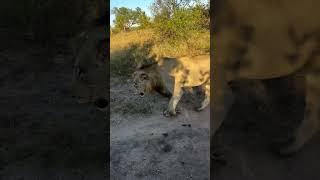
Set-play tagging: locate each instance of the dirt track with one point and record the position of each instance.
(150, 146)
(147, 145)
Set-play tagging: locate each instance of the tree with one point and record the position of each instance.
(123, 18)
(142, 19)
(167, 8)
(127, 18)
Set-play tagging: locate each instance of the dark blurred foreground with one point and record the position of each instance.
(44, 133)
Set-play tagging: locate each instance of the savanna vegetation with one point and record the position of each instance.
(175, 28)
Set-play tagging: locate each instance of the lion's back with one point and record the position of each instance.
(192, 71)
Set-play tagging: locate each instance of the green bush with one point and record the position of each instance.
(178, 27)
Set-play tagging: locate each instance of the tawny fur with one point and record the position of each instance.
(264, 40)
(173, 75)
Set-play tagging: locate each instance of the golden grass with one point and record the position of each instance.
(131, 48)
(124, 39)
(197, 44)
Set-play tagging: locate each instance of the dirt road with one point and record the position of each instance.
(147, 145)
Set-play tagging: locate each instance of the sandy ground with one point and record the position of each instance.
(147, 145)
(248, 131)
(44, 133)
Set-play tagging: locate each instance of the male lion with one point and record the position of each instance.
(263, 40)
(90, 83)
(184, 72)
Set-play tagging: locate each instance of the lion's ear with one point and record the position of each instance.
(147, 63)
(134, 74)
(139, 66)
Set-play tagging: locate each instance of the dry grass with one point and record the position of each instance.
(123, 40)
(197, 44)
(129, 48)
(125, 47)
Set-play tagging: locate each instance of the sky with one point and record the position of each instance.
(132, 4)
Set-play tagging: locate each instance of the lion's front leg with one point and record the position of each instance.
(177, 94)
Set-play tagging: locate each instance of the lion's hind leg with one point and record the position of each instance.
(206, 99)
(310, 124)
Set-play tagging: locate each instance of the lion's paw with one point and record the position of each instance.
(168, 113)
(198, 109)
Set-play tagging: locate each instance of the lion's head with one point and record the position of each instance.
(142, 82)
(90, 83)
(146, 78)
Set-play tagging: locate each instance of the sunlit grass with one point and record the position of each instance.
(129, 48)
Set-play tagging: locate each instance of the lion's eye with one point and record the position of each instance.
(144, 76)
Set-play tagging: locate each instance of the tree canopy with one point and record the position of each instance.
(126, 18)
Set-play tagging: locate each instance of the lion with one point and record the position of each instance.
(90, 78)
(179, 73)
(265, 40)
